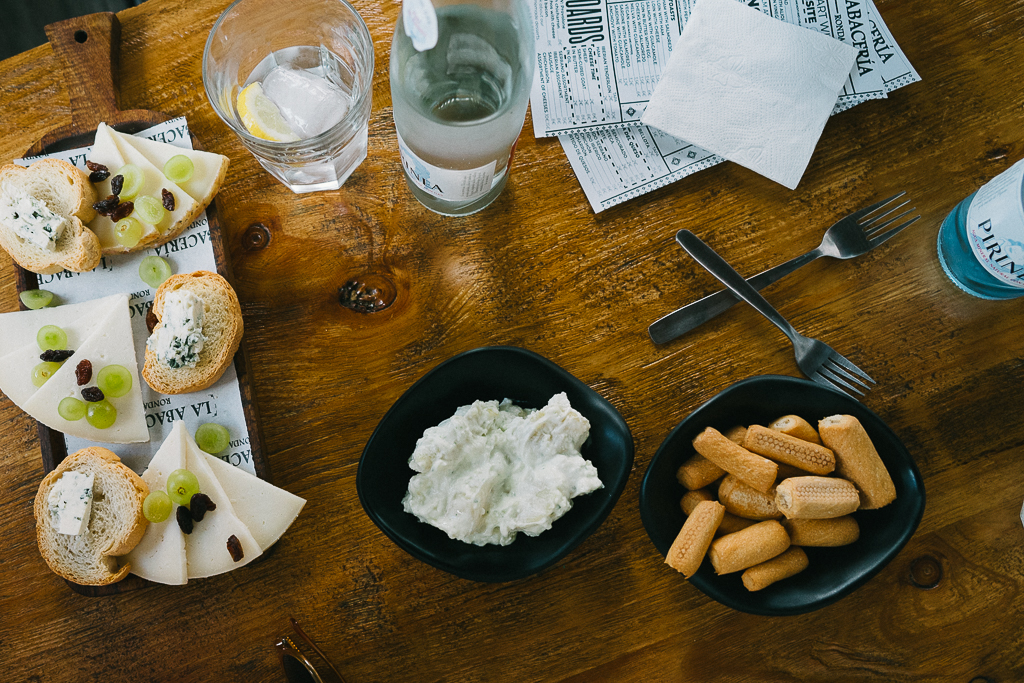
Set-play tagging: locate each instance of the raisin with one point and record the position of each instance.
(98, 176)
(151, 320)
(117, 183)
(56, 356)
(199, 505)
(235, 548)
(92, 394)
(184, 520)
(168, 199)
(105, 207)
(93, 166)
(83, 373)
(123, 210)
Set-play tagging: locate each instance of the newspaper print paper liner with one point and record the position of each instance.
(190, 251)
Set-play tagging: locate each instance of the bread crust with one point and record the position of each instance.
(223, 336)
(78, 248)
(102, 460)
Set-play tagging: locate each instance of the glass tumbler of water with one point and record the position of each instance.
(293, 79)
(459, 106)
(981, 242)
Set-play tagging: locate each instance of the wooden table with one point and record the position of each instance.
(539, 269)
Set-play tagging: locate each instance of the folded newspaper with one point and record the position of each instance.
(190, 251)
(598, 62)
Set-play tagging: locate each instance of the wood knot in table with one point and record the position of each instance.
(925, 572)
(368, 293)
(256, 237)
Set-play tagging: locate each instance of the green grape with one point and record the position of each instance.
(114, 380)
(101, 414)
(181, 486)
(154, 270)
(43, 372)
(71, 409)
(51, 337)
(128, 232)
(133, 178)
(157, 507)
(36, 298)
(149, 209)
(212, 437)
(179, 169)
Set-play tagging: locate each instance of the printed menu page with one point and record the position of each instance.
(614, 156)
(190, 251)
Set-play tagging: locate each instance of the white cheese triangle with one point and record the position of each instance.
(206, 548)
(265, 509)
(110, 343)
(18, 332)
(154, 181)
(209, 168)
(160, 555)
(104, 151)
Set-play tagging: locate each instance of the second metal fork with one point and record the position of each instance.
(851, 236)
(819, 361)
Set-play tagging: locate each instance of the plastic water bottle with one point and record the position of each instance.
(459, 105)
(981, 242)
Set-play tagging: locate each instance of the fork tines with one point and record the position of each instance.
(881, 218)
(836, 370)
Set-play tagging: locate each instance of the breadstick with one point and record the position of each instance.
(822, 533)
(736, 434)
(791, 562)
(690, 499)
(794, 425)
(698, 472)
(748, 547)
(687, 551)
(816, 497)
(752, 469)
(730, 522)
(745, 501)
(787, 471)
(857, 460)
(789, 449)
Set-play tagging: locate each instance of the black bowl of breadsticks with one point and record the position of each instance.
(780, 496)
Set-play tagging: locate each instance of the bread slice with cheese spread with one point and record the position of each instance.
(221, 330)
(114, 526)
(48, 196)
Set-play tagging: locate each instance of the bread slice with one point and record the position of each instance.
(222, 328)
(116, 523)
(67, 192)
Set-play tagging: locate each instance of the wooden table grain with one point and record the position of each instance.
(539, 269)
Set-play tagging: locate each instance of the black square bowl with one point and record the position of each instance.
(833, 572)
(489, 373)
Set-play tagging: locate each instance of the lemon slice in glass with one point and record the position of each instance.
(261, 116)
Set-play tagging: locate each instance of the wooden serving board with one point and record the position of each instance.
(88, 49)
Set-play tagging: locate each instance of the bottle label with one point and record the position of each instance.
(995, 226)
(420, 20)
(461, 185)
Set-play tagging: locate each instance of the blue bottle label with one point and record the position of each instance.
(995, 226)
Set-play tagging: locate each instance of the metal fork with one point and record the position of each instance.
(816, 359)
(849, 237)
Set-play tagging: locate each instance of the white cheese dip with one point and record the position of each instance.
(179, 339)
(30, 218)
(493, 470)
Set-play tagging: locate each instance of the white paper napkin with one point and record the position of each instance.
(750, 88)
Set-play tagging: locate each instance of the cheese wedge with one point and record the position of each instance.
(209, 168)
(18, 331)
(110, 343)
(104, 151)
(265, 509)
(20, 327)
(206, 548)
(160, 555)
(154, 181)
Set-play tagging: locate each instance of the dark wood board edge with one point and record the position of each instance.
(53, 447)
